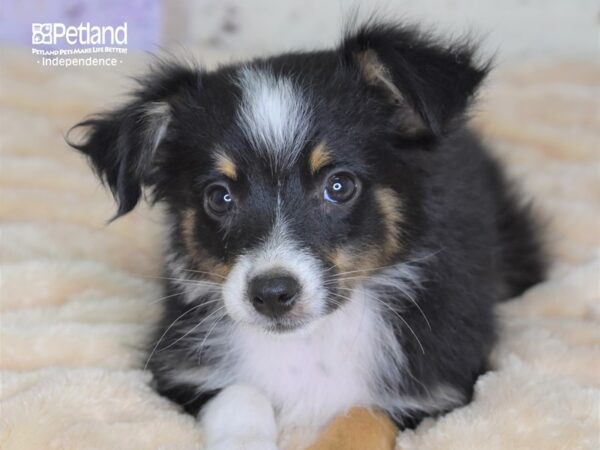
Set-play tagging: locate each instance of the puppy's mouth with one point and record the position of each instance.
(283, 326)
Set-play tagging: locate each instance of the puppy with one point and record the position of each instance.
(336, 234)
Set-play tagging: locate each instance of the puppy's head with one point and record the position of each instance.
(287, 179)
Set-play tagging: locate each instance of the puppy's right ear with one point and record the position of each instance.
(122, 144)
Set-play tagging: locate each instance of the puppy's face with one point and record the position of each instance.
(286, 180)
(282, 197)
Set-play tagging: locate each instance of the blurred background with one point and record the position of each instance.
(513, 29)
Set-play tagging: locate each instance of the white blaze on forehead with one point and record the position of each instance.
(274, 115)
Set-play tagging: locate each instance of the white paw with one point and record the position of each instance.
(239, 418)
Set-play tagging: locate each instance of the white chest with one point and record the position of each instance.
(313, 376)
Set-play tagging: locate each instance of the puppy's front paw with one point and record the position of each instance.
(239, 418)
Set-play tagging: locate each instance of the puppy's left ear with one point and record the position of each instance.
(430, 84)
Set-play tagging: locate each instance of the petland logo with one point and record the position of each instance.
(68, 46)
(84, 34)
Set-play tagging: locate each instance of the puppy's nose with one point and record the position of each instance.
(273, 295)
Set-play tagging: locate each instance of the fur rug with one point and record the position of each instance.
(77, 297)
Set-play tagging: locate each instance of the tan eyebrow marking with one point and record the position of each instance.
(225, 165)
(319, 157)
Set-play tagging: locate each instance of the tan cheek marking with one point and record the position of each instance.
(391, 209)
(226, 166)
(359, 262)
(362, 261)
(319, 157)
(188, 224)
(201, 262)
(342, 258)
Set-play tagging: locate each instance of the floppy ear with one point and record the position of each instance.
(431, 84)
(122, 144)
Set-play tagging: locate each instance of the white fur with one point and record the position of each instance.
(313, 375)
(346, 358)
(239, 418)
(278, 252)
(333, 362)
(274, 115)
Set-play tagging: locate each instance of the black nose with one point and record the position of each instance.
(273, 295)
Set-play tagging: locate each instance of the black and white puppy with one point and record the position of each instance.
(336, 235)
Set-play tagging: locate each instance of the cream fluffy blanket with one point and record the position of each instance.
(77, 297)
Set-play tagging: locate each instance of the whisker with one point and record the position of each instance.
(205, 273)
(327, 269)
(416, 303)
(167, 330)
(341, 296)
(214, 300)
(356, 277)
(367, 270)
(336, 302)
(216, 321)
(408, 294)
(193, 328)
(413, 260)
(166, 297)
(428, 255)
(393, 311)
(186, 280)
(405, 294)
(381, 302)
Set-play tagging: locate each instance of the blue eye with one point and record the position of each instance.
(340, 187)
(218, 200)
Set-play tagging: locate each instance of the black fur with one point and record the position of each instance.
(480, 243)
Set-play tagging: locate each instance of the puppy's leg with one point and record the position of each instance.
(239, 418)
(358, 429)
